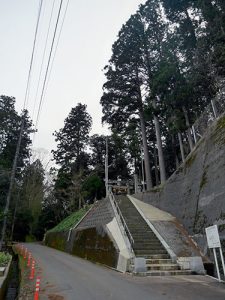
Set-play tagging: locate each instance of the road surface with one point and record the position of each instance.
(65, 277)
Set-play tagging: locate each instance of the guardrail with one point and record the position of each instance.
(122, 221)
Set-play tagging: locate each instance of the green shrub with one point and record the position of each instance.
(4, 259)
(30, 238)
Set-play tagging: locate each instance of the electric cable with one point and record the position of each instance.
(57, 44)
(32, 56)
(43, 57)
(48, 64)
(51, 65)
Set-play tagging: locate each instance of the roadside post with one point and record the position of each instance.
(213, 240)
(28, 259)
(37, 288)
(25, 253)
(32, 270)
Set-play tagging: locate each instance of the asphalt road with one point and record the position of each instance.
(67, 277)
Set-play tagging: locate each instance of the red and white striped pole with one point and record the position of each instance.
(32, 269)
(37, 288)
(28, 259)
(25, 253)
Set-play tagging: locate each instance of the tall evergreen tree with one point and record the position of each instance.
(72, 158)
(73, 137)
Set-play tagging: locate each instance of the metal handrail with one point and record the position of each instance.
(125, 227)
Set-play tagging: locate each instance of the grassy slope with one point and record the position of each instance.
(70, 221)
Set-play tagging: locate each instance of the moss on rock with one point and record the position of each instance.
(56, 240)
(95, 245)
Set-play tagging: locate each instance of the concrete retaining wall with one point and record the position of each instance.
(4, 281)
(91, 239)
(195, 193)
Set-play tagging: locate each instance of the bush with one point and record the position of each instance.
(4, 259)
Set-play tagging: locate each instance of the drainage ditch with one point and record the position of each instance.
(14, 280)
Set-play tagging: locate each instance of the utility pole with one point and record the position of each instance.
(12, 179)
(106, 168)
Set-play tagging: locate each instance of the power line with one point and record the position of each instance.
(32, 55)
(43, 57)
(48, 64)
(57, 44)
(52, 62)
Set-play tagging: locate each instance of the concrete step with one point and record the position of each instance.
(144, 252)
(138, 227)
(133, 219)
(159, 261)
(168, 273)
(148, 247)
(162, 267)
(154, 256)
(142, 234)
(148, 243)
(142, 239)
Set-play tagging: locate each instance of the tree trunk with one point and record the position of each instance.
(159, 146)
(146, 153)
(156, 168)
(156, 120)
(135, 183)
(175, 152)
(144, 137)
(181, 146)
(189, 136)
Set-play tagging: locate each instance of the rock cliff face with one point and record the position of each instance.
(195, 193)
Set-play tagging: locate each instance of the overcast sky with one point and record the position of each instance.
(90, 28)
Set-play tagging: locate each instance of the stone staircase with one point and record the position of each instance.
(146, 244)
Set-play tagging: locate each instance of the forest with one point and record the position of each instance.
(167, 65)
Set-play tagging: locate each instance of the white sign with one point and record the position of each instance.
(213, 238)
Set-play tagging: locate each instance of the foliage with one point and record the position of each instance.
(10, 128)
(72, 138)
(4, 259)
(70, 221)
(167, 62)
(93, 187)
(32, 190)
(73, 159)
(23, 223)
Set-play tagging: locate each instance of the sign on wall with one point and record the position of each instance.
(213, 238)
